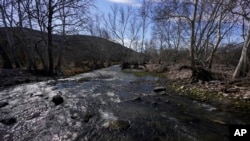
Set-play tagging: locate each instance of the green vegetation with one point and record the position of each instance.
(216, 98)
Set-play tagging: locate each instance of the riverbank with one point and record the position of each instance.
(111, 105)
(11, 77)
(229, 95)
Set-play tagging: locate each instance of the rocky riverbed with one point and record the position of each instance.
(108, 104)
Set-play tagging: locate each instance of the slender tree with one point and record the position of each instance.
(118, 23)
(144, 14)
(59, 15)
(242, 9)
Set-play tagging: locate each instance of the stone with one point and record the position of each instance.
(8, 121)
(159, 89)
(34, 115)
(3, 104)
(75, 116)
(167, 101)
(87, 117)
(232, 90)
(182, 87)
(137, 99)
(119, 124)
(162, 93)
(154, 104)
(57, 100)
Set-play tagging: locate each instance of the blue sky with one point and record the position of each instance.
(104, 5)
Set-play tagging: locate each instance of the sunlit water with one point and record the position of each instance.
(95, 102)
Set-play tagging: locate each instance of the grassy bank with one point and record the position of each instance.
(198, 91)
(213, 97)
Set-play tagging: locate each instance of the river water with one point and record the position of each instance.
(108, 104)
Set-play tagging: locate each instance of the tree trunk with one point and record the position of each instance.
(45, 67)
(6, 60)
(242, 67)
(211, 59)
(192, 37)
(213, 52)
(50, 44)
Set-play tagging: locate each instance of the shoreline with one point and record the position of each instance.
(227, 98)
(178, 82)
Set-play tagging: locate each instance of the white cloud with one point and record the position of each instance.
(122, 1)
(154, 0)
(129, 2)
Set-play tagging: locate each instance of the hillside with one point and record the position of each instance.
(26, 48)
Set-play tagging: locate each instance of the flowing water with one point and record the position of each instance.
(108, 104)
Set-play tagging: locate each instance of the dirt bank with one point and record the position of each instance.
(231, 95)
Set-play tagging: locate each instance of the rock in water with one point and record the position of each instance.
(137, 99)
(75, 116)
(119, 124)
(3, 104)
(87, 117)
(57, 100)
(159, 89)
(8, 121)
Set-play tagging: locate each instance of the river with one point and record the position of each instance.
(108, 104)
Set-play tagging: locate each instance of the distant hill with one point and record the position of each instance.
(25, 46)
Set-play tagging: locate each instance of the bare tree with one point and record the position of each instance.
(144, 14)
(242, 8)
(49, 17)
(6, 60)
(169, 34)
(118, 22)
(134, 28)
(224, 22)
(204, 22)
(96, 28)
(160, 34)
(186, 10)
(8, 12)
(68, 12)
